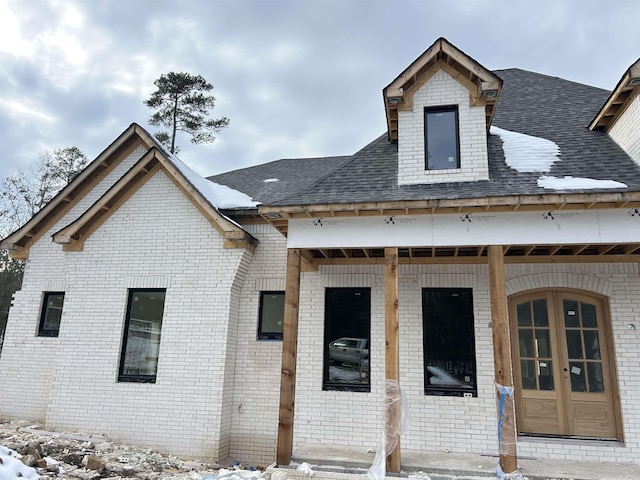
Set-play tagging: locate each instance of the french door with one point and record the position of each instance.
(563, 365)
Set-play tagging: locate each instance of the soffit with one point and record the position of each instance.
(625, 92)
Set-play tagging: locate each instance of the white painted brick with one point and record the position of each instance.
(440, 90)
(626, 130)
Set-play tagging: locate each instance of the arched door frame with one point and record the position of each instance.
(606, 331)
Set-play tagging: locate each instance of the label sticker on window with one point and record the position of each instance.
(571, 312)
(576, 370)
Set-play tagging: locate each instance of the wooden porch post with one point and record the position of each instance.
(289, 353)
(501, 342)
(392, 360)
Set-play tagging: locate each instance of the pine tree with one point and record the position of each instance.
(182, 104)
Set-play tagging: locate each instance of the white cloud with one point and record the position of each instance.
(19, 110)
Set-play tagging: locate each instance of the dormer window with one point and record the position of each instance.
(441, 138)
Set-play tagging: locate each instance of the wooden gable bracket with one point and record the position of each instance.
(483, 85)
(626, 91)
(20, 241)
(72, 236)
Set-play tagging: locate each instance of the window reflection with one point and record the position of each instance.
(449, 344)
(347, 326)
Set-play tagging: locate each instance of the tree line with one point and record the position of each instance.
(182, 104)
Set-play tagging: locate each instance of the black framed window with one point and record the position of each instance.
(271, 316)
(141, 342)
(347, 328)
(449, 342)
(51, 314)
(441, 138)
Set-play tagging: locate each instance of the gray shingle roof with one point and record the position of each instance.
(530, 103)
(294, 175)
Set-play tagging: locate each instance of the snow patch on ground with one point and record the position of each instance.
(11, 467)
(576, 183)
(526, 153)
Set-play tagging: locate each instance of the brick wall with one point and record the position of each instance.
(441, 90)
(31, 359)
(156, 239)
(626, 131)
(256, 387)
(453, 423)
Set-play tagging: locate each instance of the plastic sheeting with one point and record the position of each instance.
(506, 423)
(506, 430)
(396, 422)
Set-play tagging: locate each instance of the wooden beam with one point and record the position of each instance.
(284, 445)
(392, 350)
(501, 345)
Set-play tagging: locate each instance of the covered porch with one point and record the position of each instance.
(577, 229)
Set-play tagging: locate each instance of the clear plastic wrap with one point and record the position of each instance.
(506, 430)
(396, 422)
(506, 422)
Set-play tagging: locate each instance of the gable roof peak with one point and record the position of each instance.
(483, 85)
(627, 89)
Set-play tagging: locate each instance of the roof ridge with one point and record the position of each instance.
(555, 77)
(292, 159)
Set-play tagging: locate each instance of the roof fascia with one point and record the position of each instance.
(483, 85)
(73, 236)
(20, 241)
(621, 97)
(512, 202)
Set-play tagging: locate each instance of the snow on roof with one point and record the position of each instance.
(526, 153)
(220, 196)
(576, 183)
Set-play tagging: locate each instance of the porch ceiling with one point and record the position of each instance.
(596, 253)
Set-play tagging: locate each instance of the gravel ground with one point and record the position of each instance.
(61, 455)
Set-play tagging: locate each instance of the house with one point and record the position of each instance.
(490, 236)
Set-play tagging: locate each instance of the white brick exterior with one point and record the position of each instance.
(442, 90)
(156, 239)
(217, 388)
(626, 130)
(455, 423)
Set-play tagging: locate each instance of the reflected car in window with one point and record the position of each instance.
(438, 376)
(349, 350)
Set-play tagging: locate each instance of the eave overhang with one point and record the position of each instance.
(625, 92)
(73, 236)
(484, 86)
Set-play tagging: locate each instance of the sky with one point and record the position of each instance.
(297, 78)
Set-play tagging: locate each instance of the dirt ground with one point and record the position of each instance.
(62, 455)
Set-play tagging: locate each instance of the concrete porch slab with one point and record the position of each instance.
(340, 462)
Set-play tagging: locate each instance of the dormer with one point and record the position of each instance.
(439, 110)
(620, 115)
